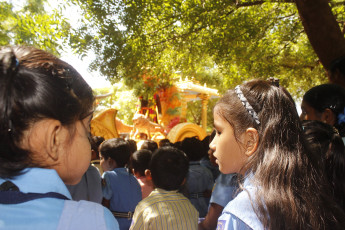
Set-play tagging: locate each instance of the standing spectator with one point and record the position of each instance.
(121, 190)
(199, 179)
(139, 164)
(165, 207)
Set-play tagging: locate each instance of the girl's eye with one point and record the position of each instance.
(218, 132)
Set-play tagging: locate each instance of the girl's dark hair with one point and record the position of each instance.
(283, 166)
(324, 140)
(117, 149)
(169, 167)
(35, 85)
(328, 96)
(140, 161)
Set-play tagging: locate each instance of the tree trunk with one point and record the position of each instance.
(323, 32)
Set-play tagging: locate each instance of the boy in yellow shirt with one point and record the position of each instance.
(165, 207)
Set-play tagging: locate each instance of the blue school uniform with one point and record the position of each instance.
(224, 189)
(199, 179)
(50, 212)
(239, 213)
(124, 193)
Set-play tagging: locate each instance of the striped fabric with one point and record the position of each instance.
(163, 210)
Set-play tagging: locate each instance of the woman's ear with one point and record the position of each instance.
(328, 117)
(251, 141)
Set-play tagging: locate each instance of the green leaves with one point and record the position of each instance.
(151, 43)
(29, 24)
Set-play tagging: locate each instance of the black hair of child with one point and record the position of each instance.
(132, 145)
(117, 149)
(169, 168)
(140, 161)
(192, 146)
(149, 145)
(96, 141)
(164, 142)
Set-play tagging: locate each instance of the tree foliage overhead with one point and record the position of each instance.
(219, 42)
(28, 23)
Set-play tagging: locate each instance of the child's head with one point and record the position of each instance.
(256, 117)
(164, 142)
(192, 147)
(43, 98)
(114, 153)
(325, 103)
(96, 141)
(149, 145)
(169, 168)
(140, 161)
(132, 145)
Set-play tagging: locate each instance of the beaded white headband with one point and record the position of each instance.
(246, 104)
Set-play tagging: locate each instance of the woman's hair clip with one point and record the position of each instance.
(274, 81)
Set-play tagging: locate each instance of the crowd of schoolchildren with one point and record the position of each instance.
(263, 166)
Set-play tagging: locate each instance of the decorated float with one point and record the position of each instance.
(164, 116)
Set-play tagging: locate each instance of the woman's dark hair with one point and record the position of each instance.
(324, 140)
(282, 166)
(169, 167)
(193, 148)
(117, 149)
(140, 161)
(35, 85)
(328, 96)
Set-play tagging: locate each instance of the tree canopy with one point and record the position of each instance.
(221, 43)
(28, 23)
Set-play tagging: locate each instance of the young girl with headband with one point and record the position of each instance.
(259, 136)
(45, 114)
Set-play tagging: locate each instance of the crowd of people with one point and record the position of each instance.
(263, 166)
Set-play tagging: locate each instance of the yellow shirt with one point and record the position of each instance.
(163, 210)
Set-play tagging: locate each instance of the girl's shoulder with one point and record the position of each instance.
(241, 207)
(86, 215)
